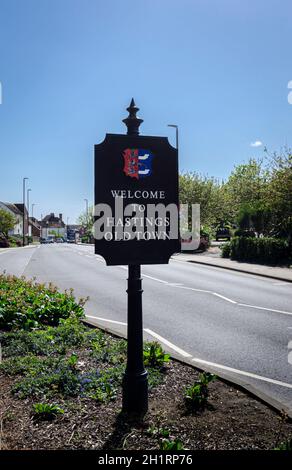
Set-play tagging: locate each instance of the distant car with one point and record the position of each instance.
(71, 240)
(59, 240)
(44, 241)
(223, 233)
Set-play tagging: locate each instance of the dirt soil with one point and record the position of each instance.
(232, 420)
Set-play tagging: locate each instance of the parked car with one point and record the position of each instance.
(223, 233)
(59, 240)
(43, 241)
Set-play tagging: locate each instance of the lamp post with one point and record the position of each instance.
(86, 205)
(176, 133)
(32, 206)
(23, 215)
(27, 198)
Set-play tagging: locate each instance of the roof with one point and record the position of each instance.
(51, 219)
(12, 207)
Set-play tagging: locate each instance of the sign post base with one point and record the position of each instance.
(135, 383)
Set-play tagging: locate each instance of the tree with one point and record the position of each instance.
(246, 186)
(203, 190)
(87, 221)
(7, 222)
(279, 193)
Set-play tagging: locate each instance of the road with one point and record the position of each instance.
(239, 322)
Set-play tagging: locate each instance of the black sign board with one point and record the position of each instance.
(136, 200)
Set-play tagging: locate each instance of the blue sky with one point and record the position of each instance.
(219, 69)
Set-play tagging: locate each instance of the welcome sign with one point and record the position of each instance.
(136, 200)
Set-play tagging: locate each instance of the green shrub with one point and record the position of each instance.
(287, 445)
(105, 348)
(171, 444)
(196, 396)
(46, 411)
(28, 365)
(154, 356)
(225, 250)
(262, 250)
(26, 304)
(48, 340)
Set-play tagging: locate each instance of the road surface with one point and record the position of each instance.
(242, 323)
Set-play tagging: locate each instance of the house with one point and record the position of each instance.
(34, 227)
(17, 211)
(53, 226)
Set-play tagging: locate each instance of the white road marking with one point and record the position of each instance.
(194, 289)
(168, 343)
(202, 361)
(280, 283)
(224, 298)
(216, 294)
(242, 372)
(105, 319)
(266, 308)
(155, 279)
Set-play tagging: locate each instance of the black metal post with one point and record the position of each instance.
(135, 384)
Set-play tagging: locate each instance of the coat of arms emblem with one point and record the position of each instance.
(137, 163)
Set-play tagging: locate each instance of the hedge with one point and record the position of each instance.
(262, 250)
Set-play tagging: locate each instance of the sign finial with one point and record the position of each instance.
(132, 121)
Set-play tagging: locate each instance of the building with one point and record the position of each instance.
(34, 228)
(53, 226)
(17, 211)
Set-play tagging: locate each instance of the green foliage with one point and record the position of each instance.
(45, 364)
(154, 356)
(7, 222)
(261, 250)
(225, 250)
(155, 377)
(32, 366)
(48, 340)
(62, 377)
(46, 411)
(245, 186)
(26, 304)
(206, 191)
(257, 196)
(101, 385)
(196, 396)
(158, 432)
(287, 445)
(87, 221)
(108, 349)
(171, 444)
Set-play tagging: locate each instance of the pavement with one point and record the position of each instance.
(233, 323)
(279, 273)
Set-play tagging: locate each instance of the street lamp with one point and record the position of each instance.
(32, 206)
(23, 215)
(86, 203)
(27, 198)
(176, 133)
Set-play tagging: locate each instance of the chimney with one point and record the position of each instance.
(60, 216)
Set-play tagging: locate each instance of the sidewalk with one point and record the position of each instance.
(281, 274)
